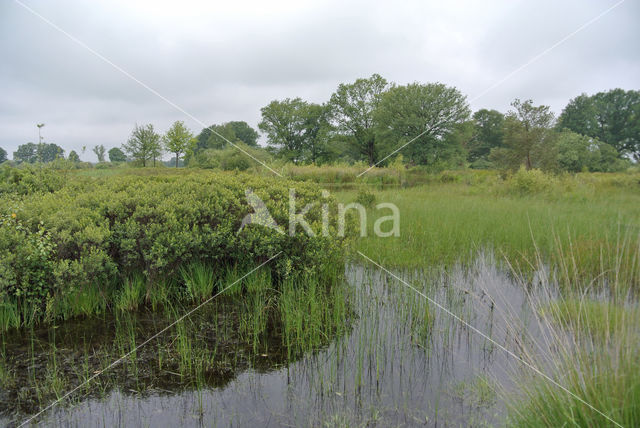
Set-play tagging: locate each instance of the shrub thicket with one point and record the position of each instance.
(104, 231)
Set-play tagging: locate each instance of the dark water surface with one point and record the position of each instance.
(402, 362)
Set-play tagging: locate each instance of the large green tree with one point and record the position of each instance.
(422, 118)
(612, 117)
(284, 123)
(298, 130)
(527, 135)
(26, 153)
(244, 132)
(43, 152)
(576, 153)
(178, 139)
(352, 109)
(48, 152)
(143, 144)
(488, 131)
(117, 155)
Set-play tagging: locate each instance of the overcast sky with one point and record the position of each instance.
(222, 62)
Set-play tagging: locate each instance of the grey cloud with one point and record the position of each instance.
(226, 66)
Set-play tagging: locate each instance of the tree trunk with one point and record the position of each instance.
(176, 160)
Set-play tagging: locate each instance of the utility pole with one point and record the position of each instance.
(40, 125)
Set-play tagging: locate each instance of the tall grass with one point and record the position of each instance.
(591, 347)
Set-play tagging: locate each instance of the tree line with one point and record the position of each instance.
(374, 121)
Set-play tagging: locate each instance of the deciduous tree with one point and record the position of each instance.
(425, 113)
(352, 109)
(178, 139)
(143, 144)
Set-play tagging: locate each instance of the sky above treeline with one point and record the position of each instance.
(223, 61)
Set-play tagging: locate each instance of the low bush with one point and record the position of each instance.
(106, 230)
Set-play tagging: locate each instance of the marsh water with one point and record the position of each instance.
(401, 362)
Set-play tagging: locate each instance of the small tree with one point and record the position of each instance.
(178, 139)
(73, 156)
(99, 151)
(143, 144)
(117, 155)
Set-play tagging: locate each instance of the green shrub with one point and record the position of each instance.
(105, 230)
(366, 198)
(26, 261)
(530, 182)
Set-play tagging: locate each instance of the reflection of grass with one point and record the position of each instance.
(594, 352)
(601, 320)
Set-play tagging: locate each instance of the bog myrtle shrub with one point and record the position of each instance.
(105, 230)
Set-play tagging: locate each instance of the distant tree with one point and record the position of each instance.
(73, 156)
(488, 131)
(284, 123)
(3, 155)
(316, 130)
(428, 113)
(352, 109)
(100, 152)
(117, 155)
(26, 153)
(143, 144)
(612, 117)
(244, 132)
(178, 139)
(575, 153)
(527, 132)
(48, 152)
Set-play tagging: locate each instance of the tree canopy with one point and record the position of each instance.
(143, 144)
(178, 139)
(117, 155)
(423, 114)
(612, 117)
(352, 109)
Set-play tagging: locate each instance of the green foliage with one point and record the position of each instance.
(73, 156)
(488, 133)
(352, 109)
(576, 153)
(3, 155)
(230, 158)
(366, 198)
(27, 261)
(107, 230)
(32, 153)
(199, 280)
(429, 116)
(244, 132)
(296, 128)
(527, 132)
(143, 144)
(530, 182)
(115, 155)
(612, 117)
(28, 179)
(178, 139)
